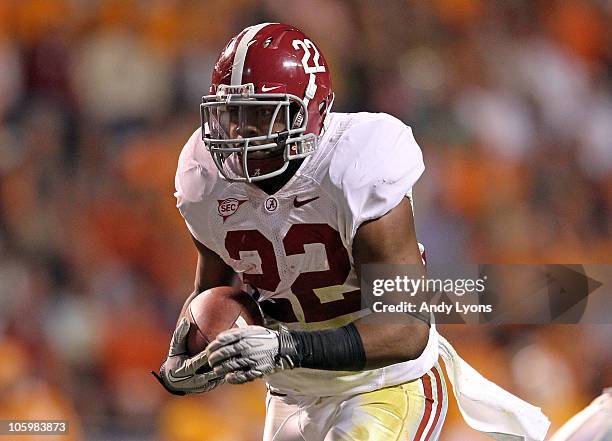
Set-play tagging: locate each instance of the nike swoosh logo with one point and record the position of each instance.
(175, 379)
(268, 89)
(298, 204)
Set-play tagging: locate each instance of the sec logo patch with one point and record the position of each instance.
(229, 206)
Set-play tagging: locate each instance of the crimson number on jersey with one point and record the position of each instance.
(306, 283)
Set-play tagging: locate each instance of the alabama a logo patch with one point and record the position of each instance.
(229, 206)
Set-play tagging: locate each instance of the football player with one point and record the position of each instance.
(294, 200)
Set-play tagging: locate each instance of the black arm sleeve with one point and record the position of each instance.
(332, 349)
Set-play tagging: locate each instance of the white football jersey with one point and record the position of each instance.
(293, 249)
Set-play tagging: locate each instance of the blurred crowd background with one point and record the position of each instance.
(511, 103)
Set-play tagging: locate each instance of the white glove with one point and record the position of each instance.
(180, 374)
(244, 354)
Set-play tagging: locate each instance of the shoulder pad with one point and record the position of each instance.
(196, 173)
(374, 165)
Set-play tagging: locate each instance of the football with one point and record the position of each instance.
(217, 310)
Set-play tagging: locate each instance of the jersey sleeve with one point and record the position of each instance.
(375, 165)
(193, 183)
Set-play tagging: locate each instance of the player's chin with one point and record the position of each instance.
(265, 163)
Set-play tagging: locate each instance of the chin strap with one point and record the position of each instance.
(327, 112)
(311, 90)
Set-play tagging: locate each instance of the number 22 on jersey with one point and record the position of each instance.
(306, 284)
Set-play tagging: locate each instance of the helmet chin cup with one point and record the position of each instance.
(231, 155)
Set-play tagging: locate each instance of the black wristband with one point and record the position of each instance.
(332, 349)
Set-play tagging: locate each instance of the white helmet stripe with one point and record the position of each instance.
(241, 52)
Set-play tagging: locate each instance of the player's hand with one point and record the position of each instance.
(181, 374)
(244, 354)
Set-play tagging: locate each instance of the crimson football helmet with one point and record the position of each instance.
(269, 96)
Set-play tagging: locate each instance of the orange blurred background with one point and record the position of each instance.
(511, 103)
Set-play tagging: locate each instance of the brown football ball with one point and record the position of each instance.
(217, 310)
